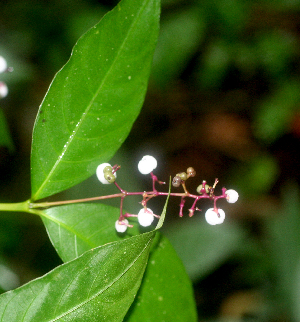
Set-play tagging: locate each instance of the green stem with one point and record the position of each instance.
(66, 202)
(18, 206)
(24, 206)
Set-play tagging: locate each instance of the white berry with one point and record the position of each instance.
(3, 90)
(121, 228)
(145, 217)
(213, 218)
(147, 164)
(3, 65)
(231, 196)
(100, 173)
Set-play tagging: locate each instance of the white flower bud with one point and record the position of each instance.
(3, 65)
(212, 217)
(145, 217)
(121, 228)
(100, 173)
(3, 90)
(231, 196)
(147, 164)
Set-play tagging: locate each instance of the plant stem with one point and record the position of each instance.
(17, 207)
(31, 207)
(116, 195)
(66, 202)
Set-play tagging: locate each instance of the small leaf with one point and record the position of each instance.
(100, 285)
(94, 99)
(166, 293)
(163, 214)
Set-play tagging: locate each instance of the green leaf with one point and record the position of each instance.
(215, 64)
(283, 247)
(163, 214)
(202, 247)
(257, 176)
(275, 52)
(74, 229)
(166, 293)
(94, 99)
(179, 39)
(100, 285)
(275, 113)
(5, 139)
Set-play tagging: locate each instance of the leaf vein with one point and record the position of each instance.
(101, 291)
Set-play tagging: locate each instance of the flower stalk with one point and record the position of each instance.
(107, 174)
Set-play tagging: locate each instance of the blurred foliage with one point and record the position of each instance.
(5, 138)
(282, 242)
(224, 98)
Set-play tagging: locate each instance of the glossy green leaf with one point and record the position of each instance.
(100, 285)
(94, 99)
(74, 229)
(166, 293)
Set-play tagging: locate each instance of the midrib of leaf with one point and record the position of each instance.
(107, 287)
(77, 126)
(68, 228)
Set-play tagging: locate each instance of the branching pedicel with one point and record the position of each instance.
(107, 174)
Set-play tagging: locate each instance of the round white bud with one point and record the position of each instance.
(213, 218)
(100, 173)
(231, 196)
(3, 65)
(147, 164)
(145, 217)
(121, 228)
(3, 90)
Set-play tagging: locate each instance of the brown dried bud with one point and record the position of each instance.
(176, 181)
(191, 172)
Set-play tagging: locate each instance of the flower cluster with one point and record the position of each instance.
(107, 175)
(216, 216)
(3, 86)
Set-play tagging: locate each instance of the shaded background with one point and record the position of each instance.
(224, 97)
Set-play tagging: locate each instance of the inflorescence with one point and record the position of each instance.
(107, 174)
